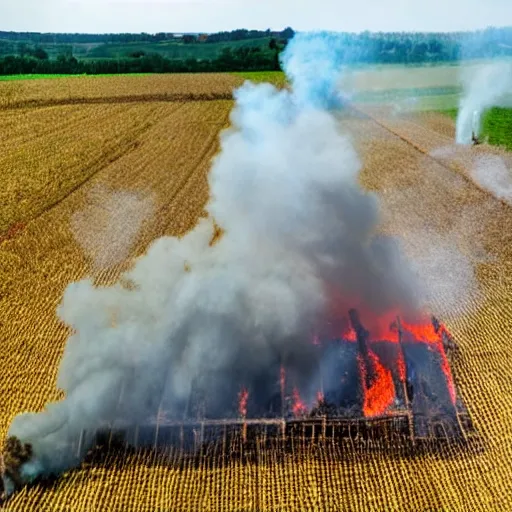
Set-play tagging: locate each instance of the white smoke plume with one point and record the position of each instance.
(484, 87)
(298, 230)
(313, 63)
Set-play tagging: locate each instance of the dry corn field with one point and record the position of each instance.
(67, 144)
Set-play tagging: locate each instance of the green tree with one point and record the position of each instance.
(137, 54)
(287, 33)
(39, 53)
(23, 49)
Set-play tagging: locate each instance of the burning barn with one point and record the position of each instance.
(396, 382)
(250, 334)
(392, 384)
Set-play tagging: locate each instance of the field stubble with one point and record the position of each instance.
(423, 201)
(117, 89)
(86, 149)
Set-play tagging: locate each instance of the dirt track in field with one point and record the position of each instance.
(425, 200)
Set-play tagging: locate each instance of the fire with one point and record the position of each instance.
(380, 371)
(381, 393)
(384, 328)
(427, 333)
(299, 408)
(349, 335)
(243, 398)
(402, 371)
(385, 332)
(422, 332)
(445, 366)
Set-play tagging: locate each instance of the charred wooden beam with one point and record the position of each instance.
(362, 342)
(448, 342)
(409, 391)
(428, 384)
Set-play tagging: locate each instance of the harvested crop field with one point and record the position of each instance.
(114, 89)
(63, 155)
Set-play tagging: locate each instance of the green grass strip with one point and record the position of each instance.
(10, 78)
(496, 125)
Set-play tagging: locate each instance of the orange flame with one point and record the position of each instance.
(243, 398)
(445, 366)
(299, 407)
(380, 329)
(349, 335)
(402, 371)
(385, 332)
(422, 332)
(426, 333)
(380, 395)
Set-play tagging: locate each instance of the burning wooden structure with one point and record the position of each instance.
(396, 385)
(391, 388)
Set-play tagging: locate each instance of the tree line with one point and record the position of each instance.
(240, 59)
(244, 34)
(366, 47)
(55, 38)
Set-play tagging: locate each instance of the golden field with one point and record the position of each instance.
(110, 89)
(61, 153)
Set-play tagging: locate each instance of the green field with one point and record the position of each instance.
(277, 78)
(496, 126)
(168, 49)
(172, 49)
(416, 98)
(11, 78)
(423, 89)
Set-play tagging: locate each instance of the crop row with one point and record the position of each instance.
(110, 89)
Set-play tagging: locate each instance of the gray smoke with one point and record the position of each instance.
(299, 234)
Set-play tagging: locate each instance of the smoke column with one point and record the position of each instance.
(313, 63)
(485, 87)
(299, 231)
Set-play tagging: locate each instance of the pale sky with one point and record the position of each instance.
(215, 15)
